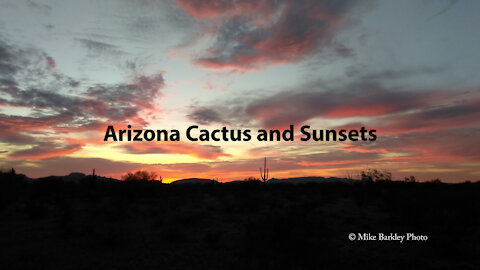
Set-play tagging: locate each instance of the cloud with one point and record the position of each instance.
(442, 111)
(29, 80)
(308, 102)
(193, 149)
(7, 59)
(27, 67)
(46, 150)
(448, 6)
(355, 100)
(121, 102)
(12, 125)
(430, 119)
(355, 148)
(40, 7)
(124, 101)
(205, 116)
(448, 145)
(254, 34)
(51, 62)
(368, 100)
(231, 111)
(98, 47)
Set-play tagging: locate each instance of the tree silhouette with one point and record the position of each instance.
(141, 175)
(410, 179)
(251, 179)
(371, 175)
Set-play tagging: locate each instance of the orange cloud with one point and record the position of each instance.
(193, 149)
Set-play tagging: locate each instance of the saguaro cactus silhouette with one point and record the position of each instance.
(264, 176)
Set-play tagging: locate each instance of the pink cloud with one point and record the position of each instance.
(254, 34)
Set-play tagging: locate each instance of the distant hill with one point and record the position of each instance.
(295, 180)
(72, 177)
(76, 176)
(194, 181)
(303, 180)
(310, 179)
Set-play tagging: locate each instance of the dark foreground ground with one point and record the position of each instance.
(145, 225)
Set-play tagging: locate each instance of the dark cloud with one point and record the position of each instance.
(123, 101)
(7, 57)
(103, 102)
(448, 6)
(38, 6)
(29, 80)
(252, 34)
(205, 116)
(49, 26)
(46, 150)
(98, 47)
(27, 67)
(230, 112)
(394, 74)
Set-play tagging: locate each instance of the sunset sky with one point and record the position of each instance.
(409, 69)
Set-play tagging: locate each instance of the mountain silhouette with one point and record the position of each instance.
(310, 179)
(194, 181)
(72, 177)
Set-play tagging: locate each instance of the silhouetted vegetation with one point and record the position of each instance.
(251, 179)
(264, 176)
(56, 224)
(374, 175)
(141, 175)
(410, 179)
(435, 181)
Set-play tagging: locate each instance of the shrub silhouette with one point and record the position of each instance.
(251, 179)
(410, 179)
(435, 181)
(141, 175)
(371, 175)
